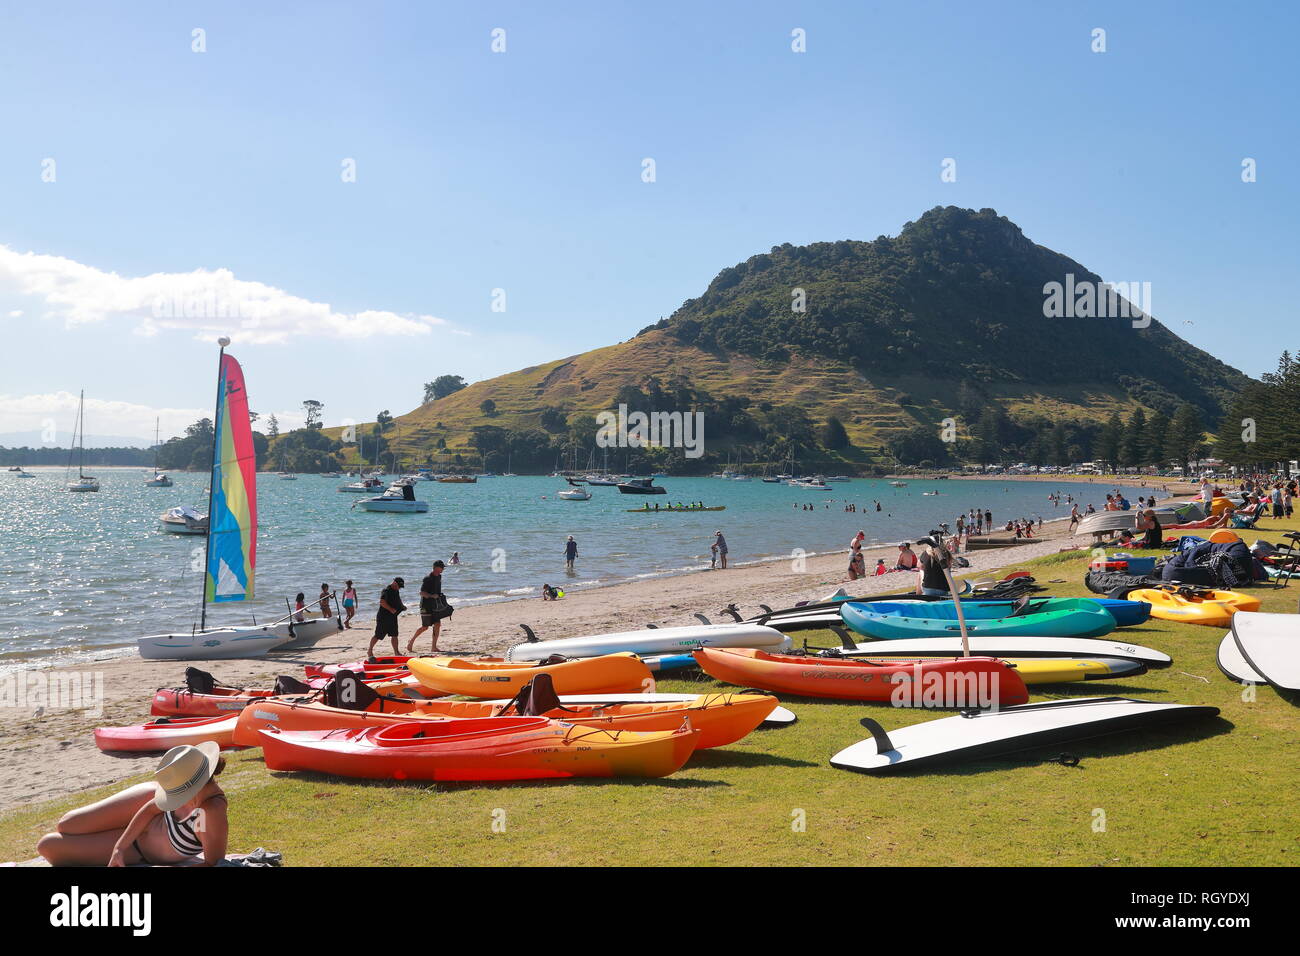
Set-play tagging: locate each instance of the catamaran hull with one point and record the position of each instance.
(211, 645)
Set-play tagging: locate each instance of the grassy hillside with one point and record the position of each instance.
(894, 333)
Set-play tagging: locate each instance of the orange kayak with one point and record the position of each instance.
(610, 674)
(488, 748)
(721, 719)
(946, 682)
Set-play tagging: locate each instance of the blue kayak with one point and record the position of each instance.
(1125, 613)
(890, 620)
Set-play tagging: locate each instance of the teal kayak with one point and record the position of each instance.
(1063, 617)
(1126, 613)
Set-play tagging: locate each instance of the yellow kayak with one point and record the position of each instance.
(1050, 670)
(610, 674)
(1195, 606)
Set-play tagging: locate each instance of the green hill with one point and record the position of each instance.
(946, 319)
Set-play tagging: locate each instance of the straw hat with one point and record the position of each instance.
(183, 772)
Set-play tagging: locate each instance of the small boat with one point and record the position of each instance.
(159, 479)
(84, 482)
(811, 484)
(611, 673)
(646, 509)
(19, 472)
(458, 479)
(773, 481)
(183, 520)
(165, 733)
(286, 476)
(485, 748)
(364, 487)
(1069, 618)
(948, 682)
(597, 481)
(899, 484)
(398, 499)
(574, 494)
(641, 486)
(1195, 605)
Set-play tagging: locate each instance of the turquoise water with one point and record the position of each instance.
(92, 571)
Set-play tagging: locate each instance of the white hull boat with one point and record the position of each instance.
(398, 499)
(183, 520)
(221, 643)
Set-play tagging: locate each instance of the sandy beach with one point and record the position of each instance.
(47, 753)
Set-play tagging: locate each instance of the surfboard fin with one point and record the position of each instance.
(529, 636)
(883, 743)
(846, 642)
(702, 619)
(731, 609)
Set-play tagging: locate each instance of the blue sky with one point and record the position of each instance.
(521, 171)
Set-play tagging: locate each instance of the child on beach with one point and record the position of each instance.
(300, 608)
(349, 603)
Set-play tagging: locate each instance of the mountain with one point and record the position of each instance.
(945, 319)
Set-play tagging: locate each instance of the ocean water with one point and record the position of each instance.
(91, 572)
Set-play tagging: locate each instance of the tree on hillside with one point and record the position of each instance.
(272, 428)
(383, 422)
(553, 419)
(919, 443)
(314, 410)
(1186, 441)
(1108, 444)
(833, 433)
(488, 407)
(1134, 437)
(441, 387)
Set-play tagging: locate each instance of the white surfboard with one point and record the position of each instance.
(655, 641)
(777, 718)
(1014, 647)
(1270, 643)
(988, 733)
(1233, 665)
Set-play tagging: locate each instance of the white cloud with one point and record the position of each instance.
(204, 302)
(16, 314)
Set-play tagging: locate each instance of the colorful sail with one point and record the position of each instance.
(232, 535)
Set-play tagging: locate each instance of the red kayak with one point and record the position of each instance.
(480, 748)
(385, 665)
(166, 733)
(947, 682)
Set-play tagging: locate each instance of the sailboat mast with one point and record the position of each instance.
(207, 540)
(81, 445)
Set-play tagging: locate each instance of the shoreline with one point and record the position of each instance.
(49, 753)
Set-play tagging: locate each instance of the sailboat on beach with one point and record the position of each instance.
(231, 554)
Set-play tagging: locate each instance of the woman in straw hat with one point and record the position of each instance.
(178, 819)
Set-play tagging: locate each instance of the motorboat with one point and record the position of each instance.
(398, 499)
(811, 484)
(365, 486)
(574, 494)
(641, 486)
(184, 520)
(285, 476)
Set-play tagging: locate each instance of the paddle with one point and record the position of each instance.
(961, 618)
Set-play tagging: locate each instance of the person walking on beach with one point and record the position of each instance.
(433, 607)
(390, 605)
(349, 603)
(1074, 516)
(720, 543)
(570, 553)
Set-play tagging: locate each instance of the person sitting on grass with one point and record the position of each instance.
(177, 820)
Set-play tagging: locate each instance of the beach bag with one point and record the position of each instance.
(439, 607)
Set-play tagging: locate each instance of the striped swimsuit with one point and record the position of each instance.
(181, 834)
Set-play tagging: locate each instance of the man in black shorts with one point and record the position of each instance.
(433, 607)
(390, 605)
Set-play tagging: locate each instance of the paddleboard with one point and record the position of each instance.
(1014, 647)
(1270, 643)
(1233, 665)
(780, 717)
(975, 735)
(654, 642)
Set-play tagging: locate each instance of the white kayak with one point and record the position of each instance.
(212, 644)
(655, 641)
(1234, 666)
(777, 718)
(981, 734)
(308, 633)
(1270, 644)
(1013, 647)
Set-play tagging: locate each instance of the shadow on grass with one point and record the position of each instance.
(719, 759)
(669, 783)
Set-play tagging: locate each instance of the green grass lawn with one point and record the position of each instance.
(1214, 793)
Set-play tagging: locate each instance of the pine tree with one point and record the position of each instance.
(1134, 437)
(1157, 433)
(1107, 446)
